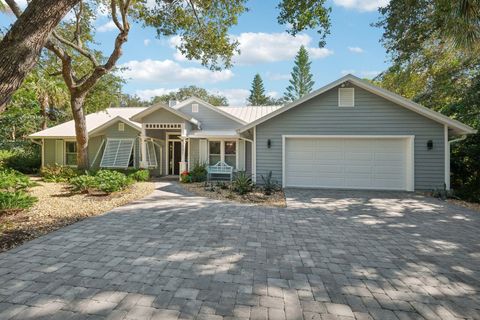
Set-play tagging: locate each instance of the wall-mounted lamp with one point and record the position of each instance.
(429, 144)
(269, 143)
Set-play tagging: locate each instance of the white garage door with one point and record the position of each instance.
(356, 163)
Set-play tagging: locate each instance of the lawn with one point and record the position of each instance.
(57, 206)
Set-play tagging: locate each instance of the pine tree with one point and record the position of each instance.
(257, 93)
(301, 82)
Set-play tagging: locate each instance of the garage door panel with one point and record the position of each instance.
(363, 163)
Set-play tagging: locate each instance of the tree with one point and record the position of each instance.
(408, 25)
(301, 82)
(257, 93)
(192, 91)
(21, 46)
(202, 25)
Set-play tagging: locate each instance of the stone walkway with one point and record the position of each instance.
(329, 255)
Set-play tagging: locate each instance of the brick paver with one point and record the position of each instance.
(329, 255)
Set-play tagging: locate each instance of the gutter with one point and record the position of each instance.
(458, 139)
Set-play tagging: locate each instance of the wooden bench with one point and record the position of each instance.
(220, 168)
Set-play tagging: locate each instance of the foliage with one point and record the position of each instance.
(17, 200)
(140, 175)
(83, 183)
(269, 184)
(185, 177)
(429, 69)
(242, 183)
(192, 91)
(257, 93)
(111, 181)
(300, 15)
(56, 173)
(409, 25)
(26, 159)
(4, 156)
(199, 172)
(12, 181)
(301, 82)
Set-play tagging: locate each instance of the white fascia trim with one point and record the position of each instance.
(375, 90)
(113, 121)
(209, 106)
(447, 157)
(137, 117)
(254, 156)
(410, 165)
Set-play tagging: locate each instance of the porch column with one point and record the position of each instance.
(143, 148)
(183, 164)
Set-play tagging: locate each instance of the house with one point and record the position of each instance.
(347, 134)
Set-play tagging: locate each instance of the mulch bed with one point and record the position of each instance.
(276, 199)
(57, 207)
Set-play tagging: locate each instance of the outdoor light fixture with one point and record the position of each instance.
(429, 144)
(269, 143)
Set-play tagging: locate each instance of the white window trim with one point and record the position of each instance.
(410, 140)
(222, 149)
(194, 107)
(65, 153)
(353, 100)
(121, 126)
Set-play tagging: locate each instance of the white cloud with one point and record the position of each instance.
(356, 49)
(146, 42)
(236, 97)
(148, 94)
(277, 76)
(109, 26)
(168, 71)
(362, 74)
(260, 47)
(362, 5)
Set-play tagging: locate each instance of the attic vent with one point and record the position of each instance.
(195, 107)
(346, 97)
(121, 126)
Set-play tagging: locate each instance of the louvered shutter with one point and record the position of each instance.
(117, 153)
(151, 155)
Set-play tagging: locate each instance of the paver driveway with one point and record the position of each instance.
(330, 255)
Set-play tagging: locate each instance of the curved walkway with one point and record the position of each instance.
(329, 255)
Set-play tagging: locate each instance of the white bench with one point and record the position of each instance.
(220, 168)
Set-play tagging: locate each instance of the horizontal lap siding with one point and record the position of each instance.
(372, 115)
(210, 119)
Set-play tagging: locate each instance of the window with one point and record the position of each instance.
(346, 97)
(117, 153)
(222, 151)
(121, 126)
(231, 153)
(195, 107)
(70, 153)
(214, 154)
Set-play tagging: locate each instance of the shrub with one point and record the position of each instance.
(199, 172)
(140, 175)
(4, 156)
(83, 183)
(111, 181)
(269, 185)
(58, 173)
(12, 180)
(17, 200)
(242, 183)
(185, 177)
(27, 160)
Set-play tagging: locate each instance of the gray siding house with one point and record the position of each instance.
(348, 134)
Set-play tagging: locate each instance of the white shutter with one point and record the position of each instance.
(346, 97)
(151, 155)
(59, 152)
(117, 153)
(203, 151)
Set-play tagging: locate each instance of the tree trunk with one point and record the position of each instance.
(21, 46)
(76, 102)
(43, 110)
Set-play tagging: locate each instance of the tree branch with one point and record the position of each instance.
(14, 7)
(82, 51)
(113, 6)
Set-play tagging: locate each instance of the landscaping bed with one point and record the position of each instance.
(222, 191)
(40, 206)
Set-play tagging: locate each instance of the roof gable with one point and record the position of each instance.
(397, 99)
(207, 105)
(138, 117)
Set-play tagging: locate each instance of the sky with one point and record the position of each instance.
(153, 66)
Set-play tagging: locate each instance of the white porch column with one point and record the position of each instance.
(143, 148)
(183, 163)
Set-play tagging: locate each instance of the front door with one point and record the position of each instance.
(175, 156)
